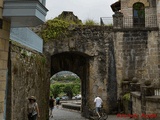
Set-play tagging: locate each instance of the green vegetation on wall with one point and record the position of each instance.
(55, 29)
(65, 85)
(90, 22)
(58, 27)
(126, 96)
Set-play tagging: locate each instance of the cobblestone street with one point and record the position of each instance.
(65, 114)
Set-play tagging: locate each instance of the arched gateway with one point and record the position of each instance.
(77, 63)
(87, 53)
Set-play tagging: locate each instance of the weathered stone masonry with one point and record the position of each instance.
(4, 44)
(112, 54)
(29, 77)
(92, 42)
(137, 52)
(137, 56)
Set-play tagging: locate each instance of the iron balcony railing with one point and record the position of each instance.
(147, 22)
(130, 22)
(157, 91)
(107, 21)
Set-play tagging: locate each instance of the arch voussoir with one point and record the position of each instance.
(131, 2)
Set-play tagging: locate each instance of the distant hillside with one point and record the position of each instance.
(65, 76)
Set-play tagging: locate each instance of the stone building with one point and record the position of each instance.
(136, 23)
(14, 13)
(4, 45)
(105, 58)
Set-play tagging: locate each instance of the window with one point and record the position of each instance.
(138, 15)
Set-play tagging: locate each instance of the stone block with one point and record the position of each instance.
(3, 75)
(3, 64)
(2, 95)
(6, 25)
(1, 115)
(2, 85)
(4, 34)
(4, 55)
(2, 44)
(147, 4)
(1, 107)
(0, 13)
(1, 3)
(6, 48)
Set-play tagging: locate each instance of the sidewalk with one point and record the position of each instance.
(65, 114)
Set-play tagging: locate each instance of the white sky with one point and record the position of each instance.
(83, 9)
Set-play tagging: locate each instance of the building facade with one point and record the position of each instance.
(15, 13)
(137, 49)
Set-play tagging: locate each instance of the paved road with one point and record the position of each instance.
(65, 114)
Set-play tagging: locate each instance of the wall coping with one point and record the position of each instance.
(135, 29)
(153, 98)
(136, 94)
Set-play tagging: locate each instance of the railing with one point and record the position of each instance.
(130, 22)
(151, 91)
(156, 91)
(107, 21)
(147, 22)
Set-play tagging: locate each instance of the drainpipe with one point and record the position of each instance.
(7, 107)
(1, 24)
(5, 100)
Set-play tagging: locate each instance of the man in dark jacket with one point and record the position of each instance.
(51, 106)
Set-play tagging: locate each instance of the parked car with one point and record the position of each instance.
(78, 97)
(64, 97)
(73, 98)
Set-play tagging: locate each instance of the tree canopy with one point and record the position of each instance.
(65, 85)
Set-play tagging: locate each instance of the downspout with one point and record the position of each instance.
(7, 107)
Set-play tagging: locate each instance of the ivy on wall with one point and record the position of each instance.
(55, 29)
(59, 27)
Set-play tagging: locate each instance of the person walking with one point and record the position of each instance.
(98, 103)
(57, 102)
(33, 110)
(51, 106)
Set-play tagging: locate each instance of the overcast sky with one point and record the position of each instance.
(83, 9)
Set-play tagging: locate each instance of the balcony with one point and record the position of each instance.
(24, 13)
(27, 38)
(119, 21)
(147, 22)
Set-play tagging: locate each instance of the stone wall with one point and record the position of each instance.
(150, 12)
(136, 108)
(96, 42)
(114, 55)
(4, 43)
(153, 107)
(145, 107)
(158, 12)
(29, 77)
(137, 56)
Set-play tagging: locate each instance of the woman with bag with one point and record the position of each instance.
(33, 110)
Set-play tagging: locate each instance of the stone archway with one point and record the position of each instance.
(74, 62)
(86, 53)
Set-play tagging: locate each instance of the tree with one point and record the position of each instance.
(65, 84)
(56, 89)
(68, 89)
